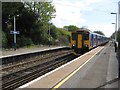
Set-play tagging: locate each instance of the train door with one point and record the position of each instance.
(96, 40)
(80, 41)
(86, 41)
(91, 40)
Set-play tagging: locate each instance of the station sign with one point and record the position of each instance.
(14, 32)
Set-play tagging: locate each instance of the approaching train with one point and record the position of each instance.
(84, 40)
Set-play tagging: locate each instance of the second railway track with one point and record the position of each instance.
(32, 62)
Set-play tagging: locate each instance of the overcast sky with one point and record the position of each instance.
(94, 14)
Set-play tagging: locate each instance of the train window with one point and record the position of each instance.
(86, 36)
(74, 36)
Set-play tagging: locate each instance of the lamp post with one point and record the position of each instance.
(115, 26)
(49, 24)
(49, 34)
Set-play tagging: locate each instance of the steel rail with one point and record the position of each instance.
(38, 72)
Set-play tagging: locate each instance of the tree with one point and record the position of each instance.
(113, 36)
(44, 12)
(99, 32)
(118, 35)
(9, 10)
(4, 40)
(53, 31)
(33, 20)
(71, 28)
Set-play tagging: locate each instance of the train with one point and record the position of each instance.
(84, 40)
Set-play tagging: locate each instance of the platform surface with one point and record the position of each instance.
(100, 72)
(95, 69)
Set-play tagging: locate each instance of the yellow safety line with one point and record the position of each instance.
(65, 79)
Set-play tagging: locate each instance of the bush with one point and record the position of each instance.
(24, 41)
(63, 32)
(64, 37)
(62, 40)
(4, 40)
(118, 36)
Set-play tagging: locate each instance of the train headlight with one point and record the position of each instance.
(85, 45)
(73, 45)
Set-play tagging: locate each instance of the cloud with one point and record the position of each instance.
(107, 29)
(68, 12)
(77, 12)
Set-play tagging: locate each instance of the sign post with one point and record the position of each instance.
(14, 32)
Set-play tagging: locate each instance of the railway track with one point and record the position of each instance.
(29, 74)
(8, 69)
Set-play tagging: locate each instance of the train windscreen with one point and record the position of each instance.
(74, 36)
(86, 36)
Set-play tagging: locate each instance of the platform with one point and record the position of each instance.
(95, 69)
(100, 72)
(7, 53)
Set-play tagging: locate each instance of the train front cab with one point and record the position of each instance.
(80, 42)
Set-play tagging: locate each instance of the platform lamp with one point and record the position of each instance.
(115, 26)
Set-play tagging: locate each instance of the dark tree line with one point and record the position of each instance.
(71, 28)
(99, 32)
(118, 37)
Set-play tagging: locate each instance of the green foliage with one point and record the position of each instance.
(118, 36)
(10, 9)
(113, 36)
(71, 28)
(44, 10)
(53, 32)
(64, 37)
(99, 32)
(63, 32)
(24, 41)
(4, 40)
(32, 22)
